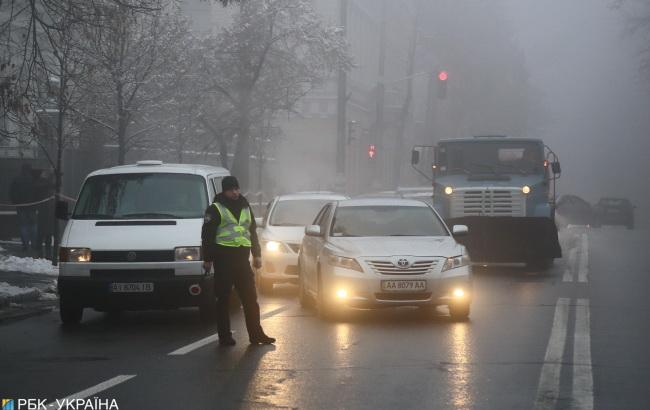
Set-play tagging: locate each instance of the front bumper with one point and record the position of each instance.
(280, 267)
(364, 289)
(89, 285)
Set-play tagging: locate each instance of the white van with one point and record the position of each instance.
(133, 240)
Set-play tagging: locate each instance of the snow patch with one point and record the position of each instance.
(9, 290)
(28, 265)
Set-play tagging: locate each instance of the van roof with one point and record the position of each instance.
(160, 167)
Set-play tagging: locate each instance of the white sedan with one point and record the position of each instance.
(369, 253)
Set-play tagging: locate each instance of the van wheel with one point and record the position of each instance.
(459, 311)
(70, 312)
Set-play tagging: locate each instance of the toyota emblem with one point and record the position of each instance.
(131, 256)
(403, 263)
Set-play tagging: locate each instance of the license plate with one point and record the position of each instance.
(404, 285)
(145, 287)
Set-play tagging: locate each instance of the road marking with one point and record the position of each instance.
(583, 381)
(215, 337)
(583, 266)
(568, 275)
(548, 389)
(94, 390)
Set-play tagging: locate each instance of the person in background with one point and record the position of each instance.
(44, 189)
(229, 237)
(21, 192)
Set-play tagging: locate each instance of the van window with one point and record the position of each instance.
(142, 196)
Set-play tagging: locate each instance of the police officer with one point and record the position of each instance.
(229, 237)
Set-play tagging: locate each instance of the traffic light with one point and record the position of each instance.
(372, 151)
(443, 76)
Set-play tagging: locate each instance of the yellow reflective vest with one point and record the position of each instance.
(232, 232)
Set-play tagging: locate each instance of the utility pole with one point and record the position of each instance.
(341, 102)
(377, 138)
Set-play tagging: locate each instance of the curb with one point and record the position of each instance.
(13, 314)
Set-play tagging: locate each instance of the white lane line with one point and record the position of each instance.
(568, 276)
(91, 391)
(583, 381)
(213, 338)
(548, 389)
(583, 266)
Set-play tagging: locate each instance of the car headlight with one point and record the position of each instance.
(190, 253)
(74, 255)
(455, 262)
(449, 190)
(526, 189)
(343, 262)
(274, 246)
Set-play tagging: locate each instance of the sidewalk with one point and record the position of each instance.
(27, 285)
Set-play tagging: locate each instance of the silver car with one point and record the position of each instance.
(369, 253)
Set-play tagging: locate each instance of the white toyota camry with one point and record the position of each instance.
(368, 253)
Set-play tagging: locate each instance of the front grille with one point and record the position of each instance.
(132, 256)
(295, 247)
(488, 202)
(417, 268)
(422, 296)
(131, 274)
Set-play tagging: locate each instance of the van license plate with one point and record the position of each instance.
(146, 287)
(404, 285)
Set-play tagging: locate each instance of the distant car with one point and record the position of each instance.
(281, 233)
(573, 210)
(382, 252)
(615, 211)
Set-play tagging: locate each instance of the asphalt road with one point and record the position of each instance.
(576, 336)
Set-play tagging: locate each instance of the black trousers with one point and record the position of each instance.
(233, 269)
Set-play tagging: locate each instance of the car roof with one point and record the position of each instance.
(496, 138)
(382, 202)
(147, 167)
(312, 196)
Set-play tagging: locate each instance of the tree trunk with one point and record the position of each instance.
(240, 166)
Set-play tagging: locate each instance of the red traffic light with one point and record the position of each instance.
(443, 75)
(371, 151)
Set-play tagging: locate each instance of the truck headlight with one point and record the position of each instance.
(190, 253)
(455, 262)
(74, 255)
(343, 262)
(449, 190)
(526, 189)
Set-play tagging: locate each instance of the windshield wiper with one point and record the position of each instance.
(512, 166)
(149, 215)
(93, 216)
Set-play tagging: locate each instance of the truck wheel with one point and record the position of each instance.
(69, 311)
(459, 311)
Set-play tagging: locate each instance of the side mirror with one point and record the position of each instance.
(415, 157)
(460, 230)
(313, 230)
(556, 168)
(62, 211)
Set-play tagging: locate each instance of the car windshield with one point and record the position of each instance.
(386, 221)
(296, 212)
(142, 196)
(491, 158)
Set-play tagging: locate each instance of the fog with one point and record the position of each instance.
(585, 60)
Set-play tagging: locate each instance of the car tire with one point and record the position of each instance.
(303, 297)
(325, 309)
(459, 311)
(265, 285)
(70, 312)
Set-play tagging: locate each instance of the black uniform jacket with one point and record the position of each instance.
(211, 251)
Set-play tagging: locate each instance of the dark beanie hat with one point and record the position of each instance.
(229, 183)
